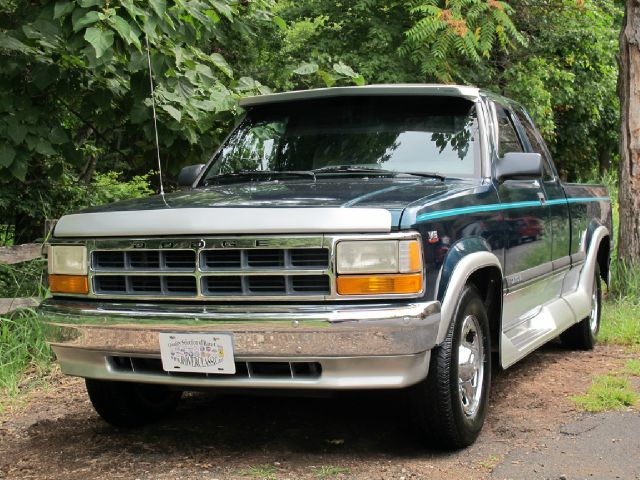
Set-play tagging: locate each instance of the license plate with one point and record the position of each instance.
(197, 353)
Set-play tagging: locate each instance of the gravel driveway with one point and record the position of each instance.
(54, 433)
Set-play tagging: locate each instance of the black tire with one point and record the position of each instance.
(436, 404)
(583, 335)
(127, 404)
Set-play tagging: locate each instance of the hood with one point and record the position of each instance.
(337, 204)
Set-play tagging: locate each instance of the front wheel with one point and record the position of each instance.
(449, 406)
(583, 334)
(128, 404)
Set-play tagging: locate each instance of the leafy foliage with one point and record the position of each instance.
(74, 87)
(450, 33)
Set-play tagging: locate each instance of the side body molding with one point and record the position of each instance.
(465, 258)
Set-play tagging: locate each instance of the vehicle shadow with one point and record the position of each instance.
(362, 423)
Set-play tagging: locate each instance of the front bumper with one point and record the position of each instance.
(355, 346)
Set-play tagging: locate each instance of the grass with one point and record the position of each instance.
(632, 367)
(262, 472)
(607, 392)
(330, 471)
(22, 348)
(490, 463)
(620, 323)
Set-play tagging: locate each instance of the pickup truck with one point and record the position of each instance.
(380, 237)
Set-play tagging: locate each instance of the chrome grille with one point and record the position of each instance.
(216, 269)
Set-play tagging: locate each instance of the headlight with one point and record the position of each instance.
(67, 268)
(396, 263)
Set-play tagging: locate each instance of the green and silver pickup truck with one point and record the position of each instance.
(379, 237)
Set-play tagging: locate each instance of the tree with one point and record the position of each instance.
(74, 92)
(629, 196)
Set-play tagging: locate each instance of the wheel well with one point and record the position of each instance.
(604, 254)
(488, 281)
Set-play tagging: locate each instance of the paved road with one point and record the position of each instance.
(602, 446)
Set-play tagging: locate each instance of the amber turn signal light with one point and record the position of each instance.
(69, 284)
(379, 284)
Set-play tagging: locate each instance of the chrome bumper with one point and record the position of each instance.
(357, 346)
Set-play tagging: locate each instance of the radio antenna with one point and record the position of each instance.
(155, 121)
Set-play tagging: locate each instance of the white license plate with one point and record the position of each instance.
(197, 352)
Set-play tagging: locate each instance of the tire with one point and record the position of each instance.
(443, 415)
(127, 404)
(583, 335)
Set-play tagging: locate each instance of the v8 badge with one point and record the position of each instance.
(432, 236)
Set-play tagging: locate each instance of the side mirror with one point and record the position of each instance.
(189, 174)
(519, 166)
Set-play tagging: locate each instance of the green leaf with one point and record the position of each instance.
(359, 80)
(306, 68)
(159, 6)
(327, 78)
(345, 70)
(279, 21)
(219, 61)
(44, 148)
(62, 9)
(88, 19)
(16, 132)
(100, 40)
(19, 170)
(58, 135)
(10, 43)
(7, 154)
(174, 112)
(125, 31)
(223, 8)
(132, 9)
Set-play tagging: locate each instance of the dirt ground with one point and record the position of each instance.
(54, 432)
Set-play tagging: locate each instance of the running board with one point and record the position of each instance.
(524, 337)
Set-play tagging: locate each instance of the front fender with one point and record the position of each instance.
(465, 257)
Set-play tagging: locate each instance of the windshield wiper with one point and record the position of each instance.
(259, 173)
(378, 171)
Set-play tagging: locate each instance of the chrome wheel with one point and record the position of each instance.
(595, 308)
(470, 365)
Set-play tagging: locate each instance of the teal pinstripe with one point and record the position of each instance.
(496, 207)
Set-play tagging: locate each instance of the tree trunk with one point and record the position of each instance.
(629, 236)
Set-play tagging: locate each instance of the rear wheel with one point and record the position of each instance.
(449, 406)
(583, 334)
(128, 404)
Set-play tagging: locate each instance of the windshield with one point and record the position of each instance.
(343, 135)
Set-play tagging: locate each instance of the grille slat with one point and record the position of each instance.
(227, 285)
(179, 260)
(144, 260)
(310, 258)
(222, 259)
(310, 284)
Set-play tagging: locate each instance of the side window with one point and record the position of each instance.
(508, 140)
(536, 145)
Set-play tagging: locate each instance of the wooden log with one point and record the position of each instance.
(9, 304)
(20, 253)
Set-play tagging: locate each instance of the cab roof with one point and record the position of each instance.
(470, 93)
